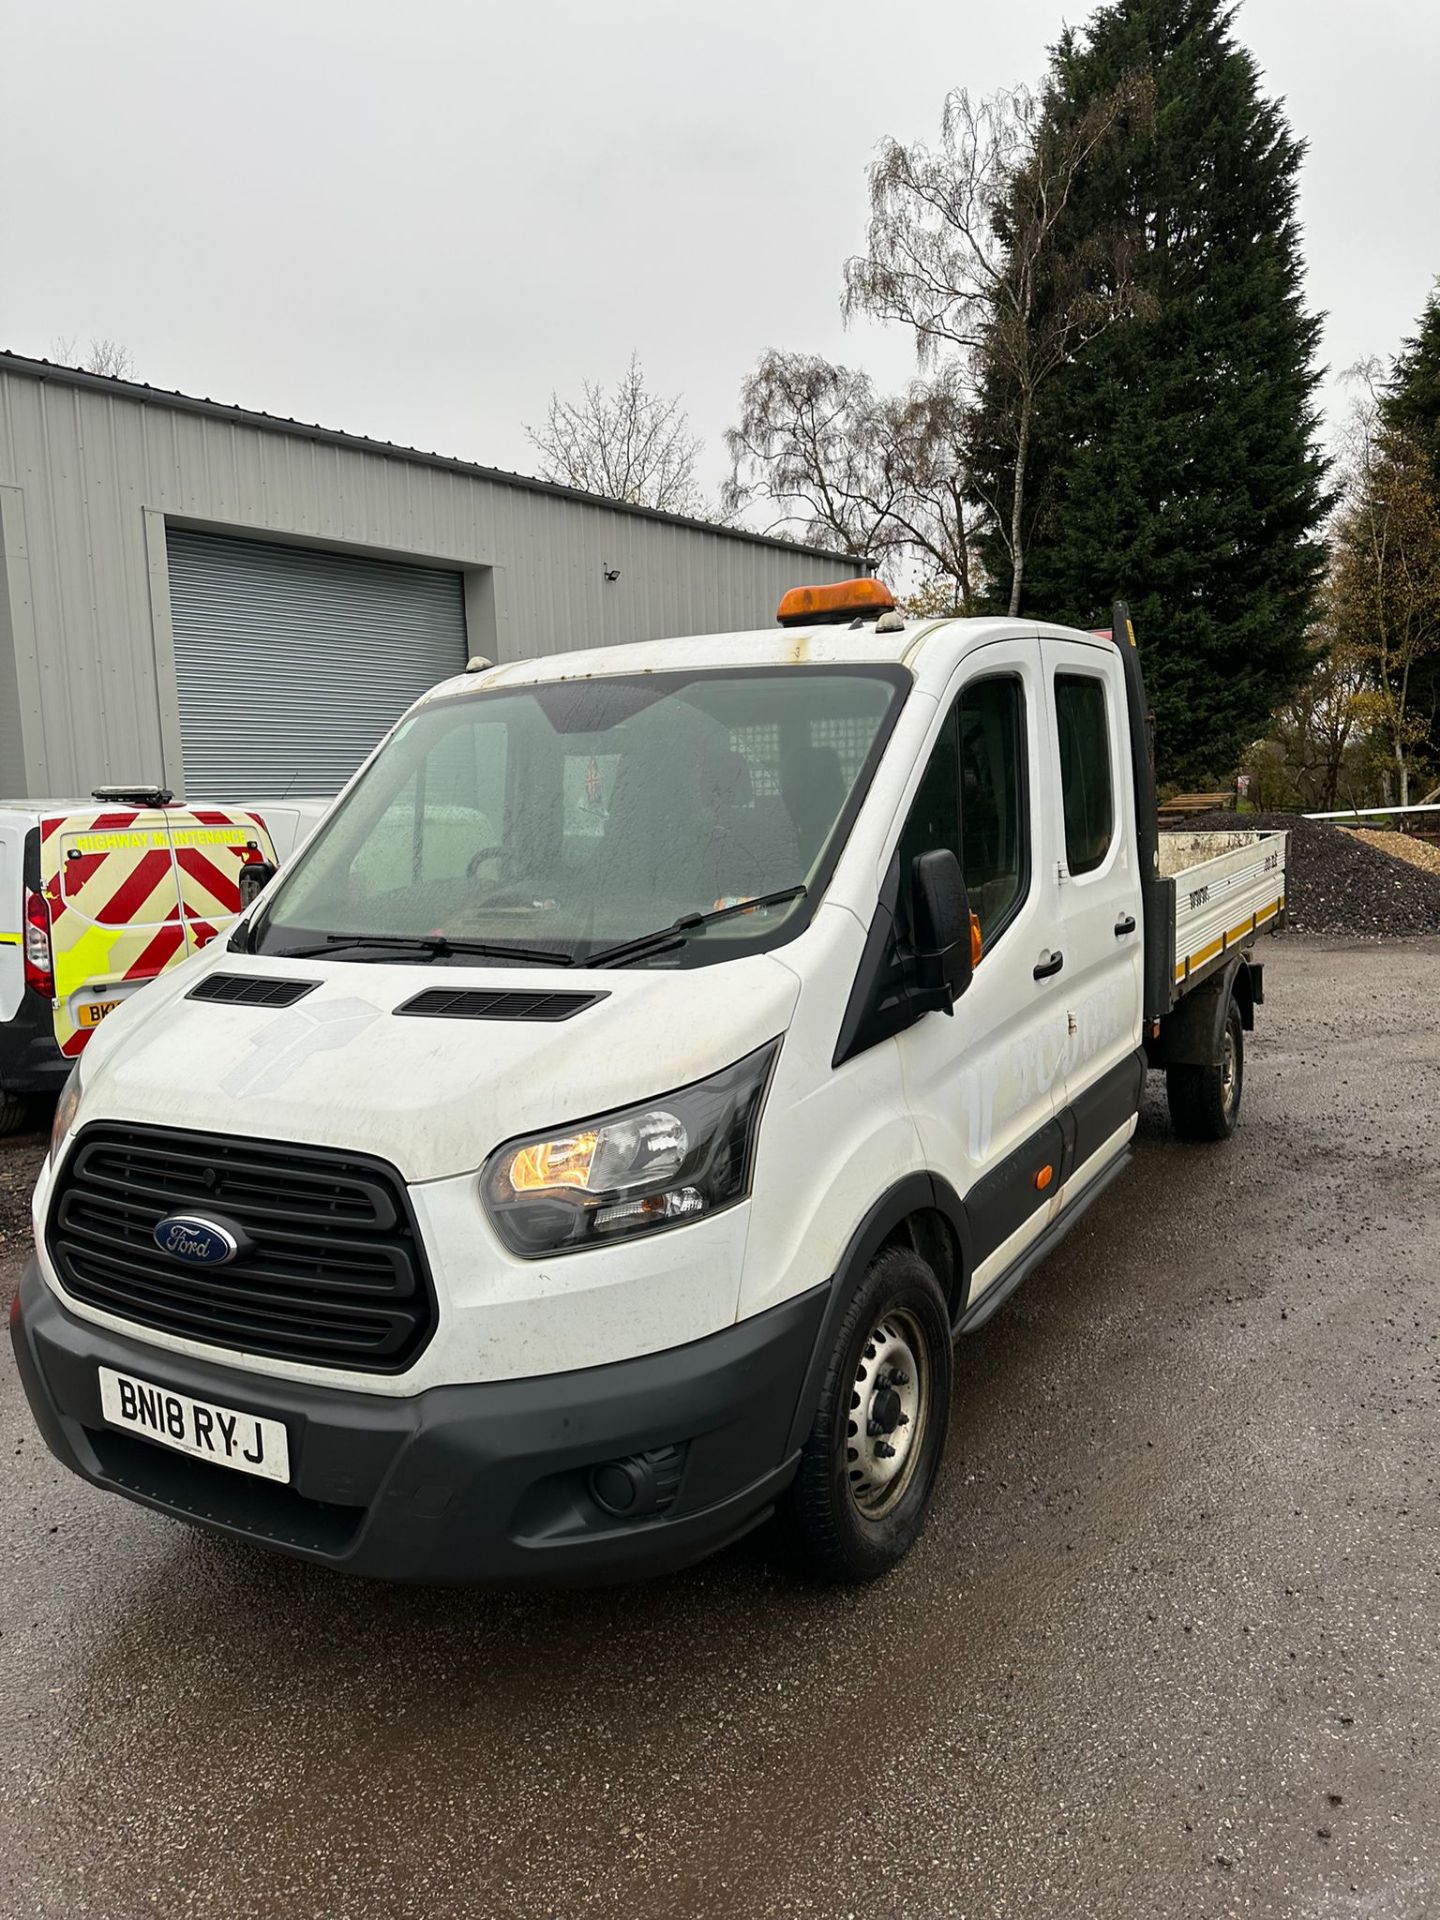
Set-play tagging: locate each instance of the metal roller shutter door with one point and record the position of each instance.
(291, 663)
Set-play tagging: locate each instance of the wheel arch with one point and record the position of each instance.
(1192, 1033)
(922, 1212)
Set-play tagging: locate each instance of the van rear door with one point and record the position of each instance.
(108, 879)
(131, 891)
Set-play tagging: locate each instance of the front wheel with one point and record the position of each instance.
(13, 1113)
(868, 1466)
(1205, 1101)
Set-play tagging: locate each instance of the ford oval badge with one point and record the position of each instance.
(199, 1243)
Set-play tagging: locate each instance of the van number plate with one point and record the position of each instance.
(197, 1427)
(94, 1011)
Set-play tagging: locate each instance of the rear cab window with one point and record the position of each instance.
(1087, 784)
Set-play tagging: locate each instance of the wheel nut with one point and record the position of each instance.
(884, 1450)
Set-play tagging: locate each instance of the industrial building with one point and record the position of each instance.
(237, 606)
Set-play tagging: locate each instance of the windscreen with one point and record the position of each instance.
(570, 816)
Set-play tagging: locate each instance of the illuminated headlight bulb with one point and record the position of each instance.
(630, 1171)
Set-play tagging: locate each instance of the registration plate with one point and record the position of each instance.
(205, 1431)
(94, 1011)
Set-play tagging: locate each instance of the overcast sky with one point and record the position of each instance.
(413, 218)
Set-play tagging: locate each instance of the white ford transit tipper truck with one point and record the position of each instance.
(594, 1139)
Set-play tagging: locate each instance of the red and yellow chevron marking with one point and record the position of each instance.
(206, 885)
(120, 889)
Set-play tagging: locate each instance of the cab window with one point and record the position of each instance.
(1086, 783)
(973, 800)
(994, 830)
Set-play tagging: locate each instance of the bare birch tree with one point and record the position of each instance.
(965, 248)
(876, 475)
(626, 443)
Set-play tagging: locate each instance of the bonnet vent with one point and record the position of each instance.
(442, 1003)
(251, 990)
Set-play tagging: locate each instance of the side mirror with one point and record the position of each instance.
(946, 933)
(254, 878)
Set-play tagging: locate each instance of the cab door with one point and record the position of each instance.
(1099, 931)
(984, 1084)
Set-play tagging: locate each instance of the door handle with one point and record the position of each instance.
(1125, 924)
(1049, 963)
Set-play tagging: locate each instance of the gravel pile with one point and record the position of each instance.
(1336, 883)
(1401, 846)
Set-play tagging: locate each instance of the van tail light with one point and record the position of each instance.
(39, 963)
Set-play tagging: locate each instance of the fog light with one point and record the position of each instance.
(640, 1484)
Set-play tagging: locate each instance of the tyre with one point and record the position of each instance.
(869, 1463)
(1205, 1101)
(13, 1113)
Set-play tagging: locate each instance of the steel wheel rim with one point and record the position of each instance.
(888, 1414)
(1228, 1075)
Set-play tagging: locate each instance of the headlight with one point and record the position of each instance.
(656, 1165)
(65, 1111)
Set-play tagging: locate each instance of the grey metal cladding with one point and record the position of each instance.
(109, 470)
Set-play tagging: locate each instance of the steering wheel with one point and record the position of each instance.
(472, 865)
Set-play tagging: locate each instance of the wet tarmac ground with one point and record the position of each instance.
(1170, 1646)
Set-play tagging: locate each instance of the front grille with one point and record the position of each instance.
(330, 1271)
(503, 1003)
(251, 990)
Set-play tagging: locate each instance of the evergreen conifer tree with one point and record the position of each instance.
(1412, 406)
(1412, 400)
(1175, 462)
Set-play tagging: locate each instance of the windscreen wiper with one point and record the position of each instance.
(434, 946)
(679, 931)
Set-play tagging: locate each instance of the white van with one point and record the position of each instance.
(98, 897)
(594, 1140)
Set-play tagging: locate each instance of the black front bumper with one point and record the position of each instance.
(459, 1483)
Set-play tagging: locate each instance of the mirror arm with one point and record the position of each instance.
(934, 982)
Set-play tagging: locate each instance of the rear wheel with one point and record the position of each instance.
(13, 1111)
(1205, 1101)
(869, 1464)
